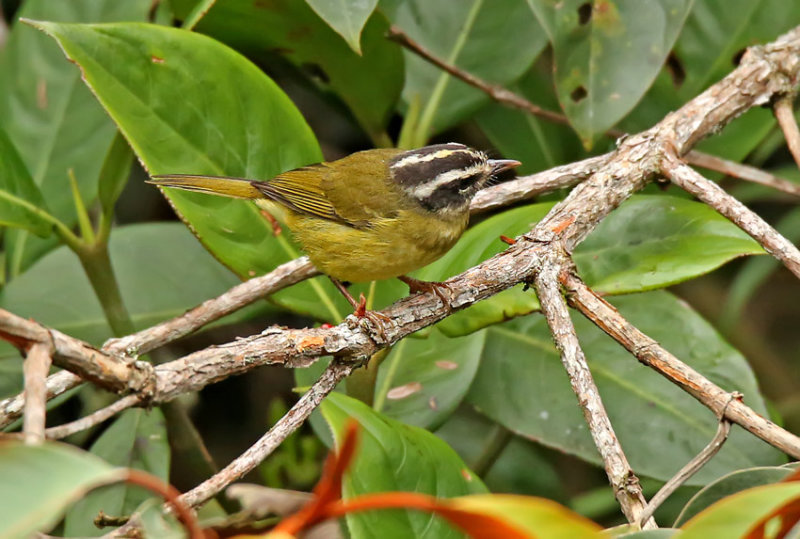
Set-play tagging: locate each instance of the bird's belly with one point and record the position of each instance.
(369, 254)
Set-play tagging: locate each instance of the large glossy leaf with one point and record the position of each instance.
(522, 384)
(369, 83)
(51, 116)
(188, 104)
(347, 18)
(392, 456)
(38, 482)
(19, 196)
(422, 381)
(496, 40)
(731, 484)
(161, 269)
(736, 515)
(649, 242)
(607, 54)
(137, 439)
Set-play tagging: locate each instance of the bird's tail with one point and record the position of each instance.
(217, 185)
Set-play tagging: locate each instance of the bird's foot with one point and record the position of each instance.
(442, 290)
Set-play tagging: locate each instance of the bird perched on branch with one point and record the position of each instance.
(371, 215)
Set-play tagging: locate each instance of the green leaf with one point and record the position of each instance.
(20, 198)
(422, 381)
(54, 121)
(735, 515)
(731, 484)
(161, 269)
(650, 241)
(495, 40)
(137, 439)
(669, 427)
(38, 482)
(607, 54)
(188, 104)
(392, 456)
(369, 84)
(346, 17)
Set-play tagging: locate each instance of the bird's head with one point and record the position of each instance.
(444, 177)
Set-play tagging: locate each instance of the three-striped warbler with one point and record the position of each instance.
(371, 215)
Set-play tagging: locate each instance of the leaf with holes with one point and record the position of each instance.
(607, 54)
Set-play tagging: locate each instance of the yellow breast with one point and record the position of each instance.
(388, 248)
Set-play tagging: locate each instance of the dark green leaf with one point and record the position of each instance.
(188, 104)
(495, 40)
(54, 121)
(347, 18)
(668, 427)
(607, 54)
(392, 456)
(422, 381)
(137, 439)
(38, 482)
(369, 83)
(19, 196)
(647, 243)
(731, 484)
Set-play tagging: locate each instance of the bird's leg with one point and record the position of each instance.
(276, 226)
(360, 308)
(415, 286)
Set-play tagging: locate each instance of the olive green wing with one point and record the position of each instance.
(300, 190)
(353, 191)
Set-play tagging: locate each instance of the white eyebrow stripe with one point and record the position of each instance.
(426, 189)
(415, 158)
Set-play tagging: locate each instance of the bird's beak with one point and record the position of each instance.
(501, 165)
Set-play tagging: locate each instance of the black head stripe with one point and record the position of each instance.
(425, 164)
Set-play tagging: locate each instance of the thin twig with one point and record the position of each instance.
(35, 368)
(286, 425)
(742, 171)
(239, 296)
(653, 355)
(784, 113)
(623, 481)
(95, 418)
(712, 194)
(506, 97)
(691, 468)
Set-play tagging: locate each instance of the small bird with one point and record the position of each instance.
(372, 215)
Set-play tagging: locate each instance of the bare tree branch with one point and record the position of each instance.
(712, 194)
(623, 481)
(785, 116)
(286, 425)
(35, 368)
(650, 353)
(691, 468)
(506, 97)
